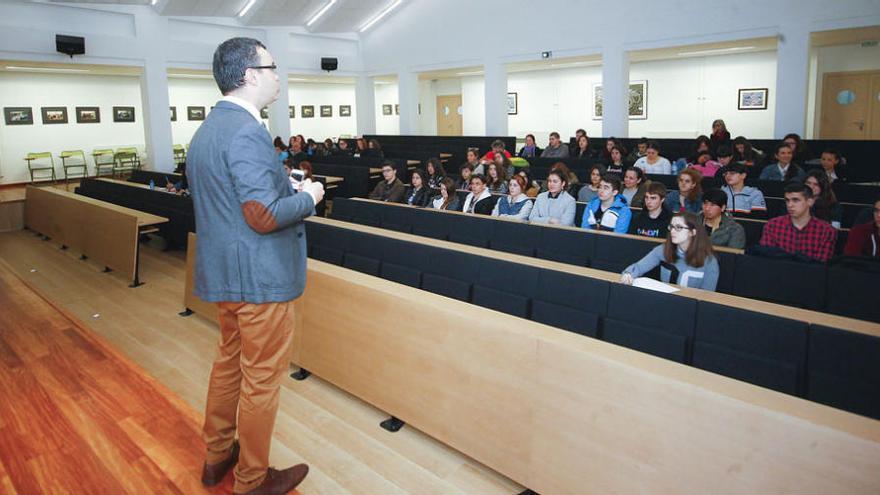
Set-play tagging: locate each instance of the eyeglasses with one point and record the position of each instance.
(273, 67)
(678, 228)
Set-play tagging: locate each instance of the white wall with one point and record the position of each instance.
(184, 93)
(428, 93)
(473, 102)
(843, 58)
(65, 90)
(317, 127)
(386, 94)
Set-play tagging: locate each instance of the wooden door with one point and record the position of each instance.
(449, 115)
(874, 116)
(848, 105)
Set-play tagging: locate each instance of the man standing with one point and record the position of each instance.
(799, 232)
(251, 261)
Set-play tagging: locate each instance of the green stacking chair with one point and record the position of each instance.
(105, 159)
(74, 160)
(127, 160)
(36, 163)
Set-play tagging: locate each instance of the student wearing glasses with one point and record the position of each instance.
(686, 258)
(389, 188)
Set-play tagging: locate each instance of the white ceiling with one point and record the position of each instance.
(344, 16)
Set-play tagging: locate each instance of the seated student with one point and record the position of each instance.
(496, 179)
(799, 152)
(652, 162)
(830, 163)
(582, 149)
(608, 211)
(448, 199)
(610, 143)
(532, 189)
(740, 197)
(473, 159)
(464, 180)
(591, 190)
(799, 232)
(708, 167)
(342, 148)
(418, 193)
(653, 220)
(296, 151)
(720, 135)
(389, 188)
(530, 150)
(516, 205)
(555, 149)
(280, 149)
(182, 186)
(640, 151)
(864, 238)
(634, 187)
(555, 206)
(744, 153)
(572, 180)
(723, 230)
(374, 150)
(497, 147)
(504, 164)
(690, 192)
(360, 147)
(686, 258)
(436, 172)
(615, 162)
(783, 170)
(826, 207)
(479, 200)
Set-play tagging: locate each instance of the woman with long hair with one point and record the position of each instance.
(447, 199)
(591, 190)
(689, 195)
(496, 178)
(744, 153)
(686, 258)
(436, 172)
(418, 193)
(825, 205)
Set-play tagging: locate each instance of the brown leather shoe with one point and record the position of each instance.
(212, 474)
(280, 482)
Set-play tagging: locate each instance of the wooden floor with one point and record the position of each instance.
(337, 434)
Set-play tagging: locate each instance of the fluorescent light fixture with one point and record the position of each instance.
(472, 73)
(296, 79)
(577, 64)
(320, 13)
(44, 69)
(153, 2)
(246, 7)
(379, 17)
(717, 50)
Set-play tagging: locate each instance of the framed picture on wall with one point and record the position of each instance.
(386, 109)
(123, 114)
(19, 115)
(173, 114)
(752, 99)
(54, 115)
(638, 101)
(290, 111)
(512, 104)
(326, 110)
(195, 113)
(396, 109)
(88, 115)
(345, 110)
(307, 111)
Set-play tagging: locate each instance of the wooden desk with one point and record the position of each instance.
(157, 187)
(106, 232)
(558, 412)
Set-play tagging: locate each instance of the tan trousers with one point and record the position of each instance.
(254, 354)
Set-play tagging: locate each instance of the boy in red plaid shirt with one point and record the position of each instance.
(799, 232)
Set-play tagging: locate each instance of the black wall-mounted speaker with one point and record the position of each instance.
(329, 63)
(70, 45)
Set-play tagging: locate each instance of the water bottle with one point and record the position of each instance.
(152, 185)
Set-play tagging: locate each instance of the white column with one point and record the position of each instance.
(615, 91)
(792, 71)
(365, 105)
(154, 92)
(277, 41)
(495, 87)
(408, 97)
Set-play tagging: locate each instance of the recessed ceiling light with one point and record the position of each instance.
(717, 50)
(44, 69)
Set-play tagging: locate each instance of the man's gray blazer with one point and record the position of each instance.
(252, 245)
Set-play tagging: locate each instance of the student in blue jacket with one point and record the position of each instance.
(608, 211)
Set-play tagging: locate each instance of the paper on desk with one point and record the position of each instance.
(650, 283)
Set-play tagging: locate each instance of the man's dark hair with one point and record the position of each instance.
(643, 140)
(724, 150)
(480, 177)
(498, 144)
(799, 187)
(715, 196)
(554, 134)
(833, 152)
(232, 59)
(612, 179)
(657, 189)
(388, 163)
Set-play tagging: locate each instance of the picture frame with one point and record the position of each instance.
(638, 101)
(264, 113)
(53, 115)
(512, 103)
(123, 114)
(396, 109)
(345, 110)
(307, 111)
(386, 109)
(173, 114)
(18, 115)
(752, 98)
(291, 111)
(195, 113)
(326, 110)
(88, 115)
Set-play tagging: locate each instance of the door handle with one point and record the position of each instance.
(861, 124)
